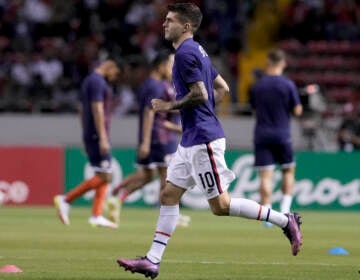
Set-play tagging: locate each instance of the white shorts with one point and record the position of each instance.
(201, 165)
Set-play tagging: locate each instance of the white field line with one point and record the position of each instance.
(252, 263)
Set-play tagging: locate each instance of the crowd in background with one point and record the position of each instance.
(307, 20)
(49, 46)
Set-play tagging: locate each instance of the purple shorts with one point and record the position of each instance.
(267, 155)
(158, 157)
(99, 162)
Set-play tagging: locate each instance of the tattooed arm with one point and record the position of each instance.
(197, 95)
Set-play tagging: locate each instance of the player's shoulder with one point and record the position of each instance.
(288, 81)
(282, 79)
(188, 48)
(95, 78)
(151, 84)
(145, 84)
(184, 52)
(155, 83)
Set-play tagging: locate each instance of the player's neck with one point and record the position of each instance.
(100, 71)
(155, 75)
(274, 71)
(182, 39)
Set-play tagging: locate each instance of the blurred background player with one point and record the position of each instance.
(95, 97)
(157, 137)
(199, 159)
(274, 99)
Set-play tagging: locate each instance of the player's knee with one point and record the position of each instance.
(165, 197)
(220, 210)
(169, 196)
(265, 191)
(290, 170)
(220, 205)
(147, 178)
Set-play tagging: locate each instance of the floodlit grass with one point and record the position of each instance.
(211, 248)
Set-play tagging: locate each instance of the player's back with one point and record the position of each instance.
(273, 98)
(94, 88)
(192, 64)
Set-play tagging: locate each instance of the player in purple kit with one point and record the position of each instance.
(157, 134)
(95, 98)
(199, 159)
(274, 99)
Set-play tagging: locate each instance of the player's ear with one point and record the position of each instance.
(187, 27)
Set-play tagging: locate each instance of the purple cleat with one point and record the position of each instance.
(293, 233)
(140, 265)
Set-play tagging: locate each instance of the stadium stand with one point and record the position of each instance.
(335, 66)
(48, 46)
(322, 40)
(323, 43)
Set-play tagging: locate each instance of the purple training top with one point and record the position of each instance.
(273, 98)
(192, 64)
(148, 90)
(94, 88)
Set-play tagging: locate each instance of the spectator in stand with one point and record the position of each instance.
(349, 131)
(47, 71)
(20, 81)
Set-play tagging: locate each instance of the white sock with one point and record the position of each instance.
(268, 205)
(241, 207)
(285, 203)
(165, 227)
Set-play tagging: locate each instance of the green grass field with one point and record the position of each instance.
(211, 248)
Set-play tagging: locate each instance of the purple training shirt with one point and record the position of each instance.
(192, 64)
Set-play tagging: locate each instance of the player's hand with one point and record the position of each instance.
(104, 146)
(161, 105)
(143, 151)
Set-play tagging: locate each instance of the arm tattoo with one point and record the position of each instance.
(197, 95)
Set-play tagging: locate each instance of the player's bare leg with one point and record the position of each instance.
(130, 184)
(266, 186)
(287, 187)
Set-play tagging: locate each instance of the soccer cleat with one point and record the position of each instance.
(293, 233)
(112, 209)
(100, 221)
(140, 265)
(62, 208)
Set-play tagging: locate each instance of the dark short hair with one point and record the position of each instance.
(118, 61)
(136, 61)
(188, 12)
(276, 55)
(159, 58)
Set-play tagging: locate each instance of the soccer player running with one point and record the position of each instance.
(199, 159)
(274, 99)
(157, 136)
(95, 97)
